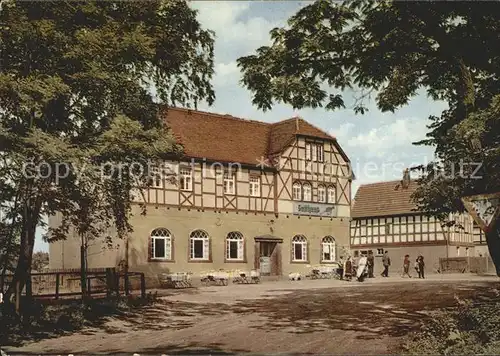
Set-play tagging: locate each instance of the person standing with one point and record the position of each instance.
(371, 264)
(348, 269)
(406, 266)
(386, 261)
(421, 266)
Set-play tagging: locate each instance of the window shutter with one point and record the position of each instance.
(168, 248)
(240, 250)
(206, 249)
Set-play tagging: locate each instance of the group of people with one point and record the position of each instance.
(350, 266)
(419, 266)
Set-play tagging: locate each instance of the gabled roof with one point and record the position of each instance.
(226, 138)
(384, 199)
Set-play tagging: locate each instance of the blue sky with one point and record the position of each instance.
(378, 144)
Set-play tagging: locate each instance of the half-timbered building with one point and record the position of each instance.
(384, 218)
(248, 195)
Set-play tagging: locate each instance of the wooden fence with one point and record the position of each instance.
(480, 265)
(68, 283)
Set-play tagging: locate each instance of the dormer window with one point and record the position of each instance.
(315, 152)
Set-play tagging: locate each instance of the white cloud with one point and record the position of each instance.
(380, 141)
(342, 132)
(226, 74)
(235, 35)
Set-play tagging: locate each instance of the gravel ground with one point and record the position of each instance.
(303, 317)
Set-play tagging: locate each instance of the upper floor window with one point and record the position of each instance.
(315, 152)
(321, 194)
(299, 248)
(255, 186)
(199, 245)
(297, 191)
(161, 244)
(307, 192)
(186, 179)
(331, 194)
(229, 183)
(234, 246)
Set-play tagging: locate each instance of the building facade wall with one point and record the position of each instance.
(205, 203)
(431, 254)
(414, 235)
(182, 222)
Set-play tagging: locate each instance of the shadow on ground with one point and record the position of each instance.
(375, 311)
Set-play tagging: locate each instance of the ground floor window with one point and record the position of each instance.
(235, 246)
(328, 249)
(299, 248)
(199, 245)
(161, 244)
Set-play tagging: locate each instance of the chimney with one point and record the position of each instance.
(297, 123)
(405, 182)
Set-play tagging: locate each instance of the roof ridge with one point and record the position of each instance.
(316, 127)
(386, 182)
(222, 116)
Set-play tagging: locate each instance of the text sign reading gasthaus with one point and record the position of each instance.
(311, 209)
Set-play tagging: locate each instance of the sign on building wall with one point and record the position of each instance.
(484, 208)
(312, 209)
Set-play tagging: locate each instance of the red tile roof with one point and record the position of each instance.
(226, 138)
(383, 199)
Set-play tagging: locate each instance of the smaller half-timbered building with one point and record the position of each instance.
(384, 218)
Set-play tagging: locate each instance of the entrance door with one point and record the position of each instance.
(266, 251)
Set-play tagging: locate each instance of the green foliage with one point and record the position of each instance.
(40, 261)
(67, 316)
(471, 329)
(76, 95)
(394, 47)
(399, 48)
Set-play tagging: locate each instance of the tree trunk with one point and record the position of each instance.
(493, 241)
(23, 268)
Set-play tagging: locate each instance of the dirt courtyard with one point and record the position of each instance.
(302, 317)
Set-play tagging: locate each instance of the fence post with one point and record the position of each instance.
(89, 293)
(126, 284)
(57, 285)
(143, 286)
(116, 276)
(18, 296)
(109, 282)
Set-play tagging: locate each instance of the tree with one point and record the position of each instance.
(40, 261)
(396, 48)
(75, 96)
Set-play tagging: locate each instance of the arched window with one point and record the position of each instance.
(307, 192)
(331, 194)
(297, 191)
(161, 244)
(199, 245)
(299, 248)
(321, 194)
(234, 246)
(328, 249)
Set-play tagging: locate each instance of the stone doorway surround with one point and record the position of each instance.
(268, 246)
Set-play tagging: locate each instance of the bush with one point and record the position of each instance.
(471, 329)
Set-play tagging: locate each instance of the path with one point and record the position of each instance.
(305, 317)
